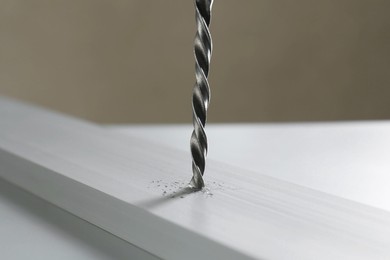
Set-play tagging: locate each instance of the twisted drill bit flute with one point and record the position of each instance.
(201, 91)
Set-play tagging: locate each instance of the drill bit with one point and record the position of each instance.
(201, 91)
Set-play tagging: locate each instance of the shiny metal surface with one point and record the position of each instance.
(201, 91)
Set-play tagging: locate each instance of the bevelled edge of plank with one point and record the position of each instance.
(108, 180)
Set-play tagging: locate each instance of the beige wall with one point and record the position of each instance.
(131, 61)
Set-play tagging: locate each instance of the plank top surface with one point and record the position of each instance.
(345, 159)
(133, 188)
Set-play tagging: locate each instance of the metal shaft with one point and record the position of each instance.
(201, 91)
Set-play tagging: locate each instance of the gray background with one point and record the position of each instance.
(131, 61)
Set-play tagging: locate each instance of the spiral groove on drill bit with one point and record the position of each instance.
(201, 91)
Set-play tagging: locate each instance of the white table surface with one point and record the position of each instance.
(349, 160)
(346, 159)
(31, 228)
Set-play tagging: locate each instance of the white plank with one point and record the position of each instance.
(114, 182)
(345, 159)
